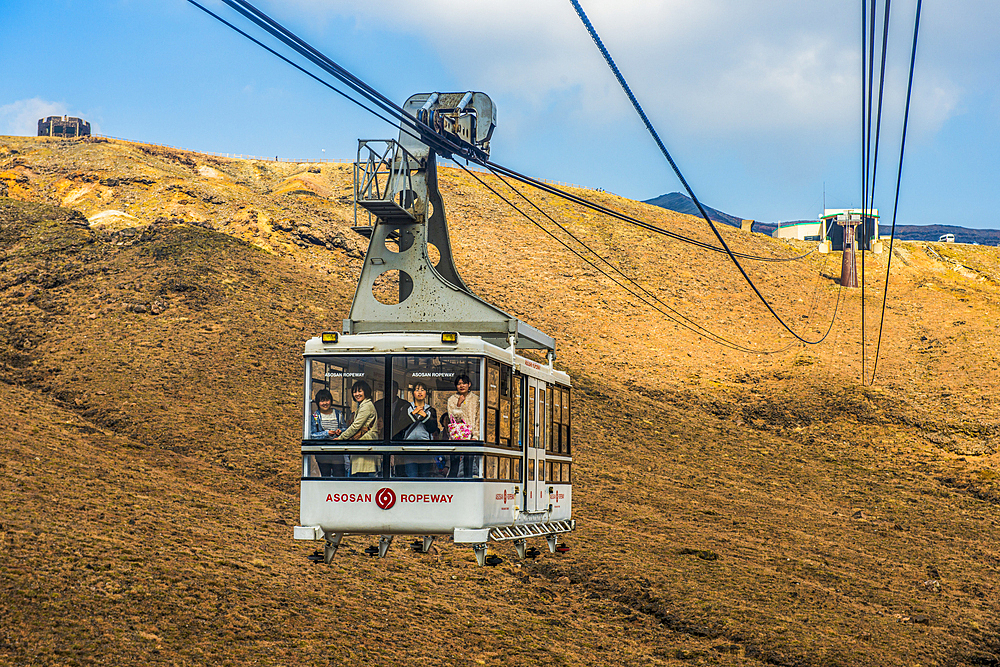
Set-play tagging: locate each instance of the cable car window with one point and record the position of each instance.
(420, 466)
(490, 435)
(515, 412)
(345, 395)
(400, 466)
(565, 473)
(549, 440)
(567, 421)
(437, 466)
(498, 405)
(503, 469)
(556, 443)
(435, 398)
(504, 438)
(465, 466)
(531, 417)
(544, 430)
(342, 466)
(531, 470)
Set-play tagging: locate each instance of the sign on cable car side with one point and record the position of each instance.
(416, 426)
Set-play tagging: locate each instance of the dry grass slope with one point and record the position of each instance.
(734, 508)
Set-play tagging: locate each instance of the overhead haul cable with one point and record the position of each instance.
(582, 201)
(667, 311)
(869, 150)
(711, 335)
(413, 127)
(870, 145)
(899, 176)
(290, 62)
(694, 326)
(701, 209)
(417, 129)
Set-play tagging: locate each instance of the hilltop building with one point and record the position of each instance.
(826, 228)
(803, 230)
(63, 126)
(866, 236)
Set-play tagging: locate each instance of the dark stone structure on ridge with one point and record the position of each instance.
(63, 126)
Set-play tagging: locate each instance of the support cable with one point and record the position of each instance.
(677, 171)
(447, 148)
(617, 270)
(294, 42)
(599, 208)
(867, 60)
(874, 177)
(871, 158)
(410, 125)
(899, 176)
(293, 64)
(667, 311)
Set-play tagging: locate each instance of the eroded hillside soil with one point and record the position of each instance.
(733, 508)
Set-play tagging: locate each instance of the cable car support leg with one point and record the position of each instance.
(330, 549)
(552, 540)
(428, 541)
(383, 545)
(519, 545)
(480, 550)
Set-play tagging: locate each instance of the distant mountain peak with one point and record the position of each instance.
(681, 203)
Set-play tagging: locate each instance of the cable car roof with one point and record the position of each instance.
(428, 343)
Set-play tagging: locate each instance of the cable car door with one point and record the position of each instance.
(535, 451)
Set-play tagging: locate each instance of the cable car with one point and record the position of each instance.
(421, 417)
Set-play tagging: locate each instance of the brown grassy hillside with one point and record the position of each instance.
(733, 508)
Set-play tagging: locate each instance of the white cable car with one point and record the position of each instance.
(422, 419)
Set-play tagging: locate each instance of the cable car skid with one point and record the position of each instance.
(517, 534)
(524, 531)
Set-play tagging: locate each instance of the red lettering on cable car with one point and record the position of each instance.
(425, 498)
(348, 497)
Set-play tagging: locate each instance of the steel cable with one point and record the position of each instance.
(708, 333)
(676, 316)
(677, 171)
(870, 152)
(899, 177)
(442, 144)
(413, 127)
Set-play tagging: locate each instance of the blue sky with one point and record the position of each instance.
(758, 102)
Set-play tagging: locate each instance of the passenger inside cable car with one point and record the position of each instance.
(421, 415)
(425, 389)
(439, 376)
(326, 421)
(337, 376)
(463, 411)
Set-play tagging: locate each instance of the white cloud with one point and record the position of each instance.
(711, 67)
(21, 118)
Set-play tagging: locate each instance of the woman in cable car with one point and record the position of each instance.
(463, 411)
(423, 417)
(327, 421)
